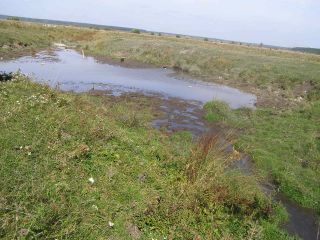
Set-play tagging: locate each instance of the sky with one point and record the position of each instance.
(287, 23)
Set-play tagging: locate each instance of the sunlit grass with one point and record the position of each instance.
(88, 167)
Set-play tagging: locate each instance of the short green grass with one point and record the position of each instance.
(88, 167)
(285, 144)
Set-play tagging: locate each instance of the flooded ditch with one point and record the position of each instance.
(180, 101)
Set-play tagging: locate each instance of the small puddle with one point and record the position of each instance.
(70, 71)
(181, 102)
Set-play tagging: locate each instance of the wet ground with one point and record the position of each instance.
(189, 117)
(179, 100)
(180, 115)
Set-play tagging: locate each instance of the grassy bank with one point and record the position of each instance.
(18, 38)
(87, 167)
(284, 144)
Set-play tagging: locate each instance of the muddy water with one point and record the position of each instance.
(181, 103)
(181, 116)
(69, 70)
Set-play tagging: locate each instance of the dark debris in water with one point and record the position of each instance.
(5, 76)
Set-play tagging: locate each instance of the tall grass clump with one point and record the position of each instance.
(211, 200)
(209, 171)
(217, 111)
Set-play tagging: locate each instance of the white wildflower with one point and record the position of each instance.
(91, 180)
(111, 224)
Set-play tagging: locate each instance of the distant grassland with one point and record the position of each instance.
(275, 75)
(307, 50)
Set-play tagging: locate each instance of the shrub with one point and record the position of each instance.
(135, 31)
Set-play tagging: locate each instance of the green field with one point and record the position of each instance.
(150, 185)
(145, 183)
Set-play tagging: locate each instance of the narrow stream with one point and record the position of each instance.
(181, 102)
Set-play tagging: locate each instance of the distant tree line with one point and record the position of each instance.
(13, 18)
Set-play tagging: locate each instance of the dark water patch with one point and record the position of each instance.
(302, 222)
